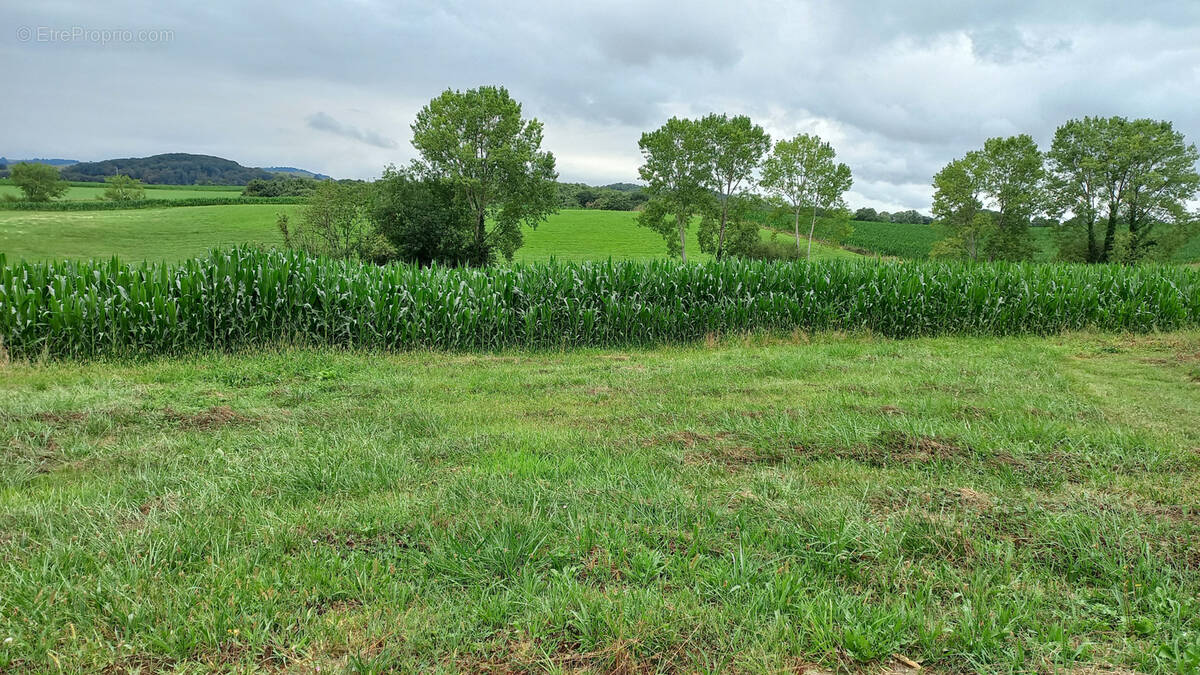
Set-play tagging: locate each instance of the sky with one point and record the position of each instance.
(898, 88)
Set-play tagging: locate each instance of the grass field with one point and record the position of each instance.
(78, 192)
(914, 241)
(134, 235)
(175, 234)
(995, 505)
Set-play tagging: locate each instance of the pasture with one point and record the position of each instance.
(174, 234)
(757, 505)
(93, 191)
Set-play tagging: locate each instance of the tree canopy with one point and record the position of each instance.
(803, 173)
(676, 169)
(1125, 184)
(492, 156)
(39, 182)
(733, 148)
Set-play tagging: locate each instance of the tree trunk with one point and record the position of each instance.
(481, 239)
(682, 237)
(1110, 233)
(1092, 254)
(811, 229)
(797, 225)
(721, 234)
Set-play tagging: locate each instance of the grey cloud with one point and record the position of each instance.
(323, 122)
(1005, 44)
(900, 88)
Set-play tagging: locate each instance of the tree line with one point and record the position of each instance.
(1114, 189)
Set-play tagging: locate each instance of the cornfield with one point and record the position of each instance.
(245, 298)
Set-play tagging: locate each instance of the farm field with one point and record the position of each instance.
(93, 191)
(914, 241)
(757, 505)
(170, 235)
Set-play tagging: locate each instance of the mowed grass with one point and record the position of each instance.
(975, 505)
(134, 235)
(175, 234)
(96, 191)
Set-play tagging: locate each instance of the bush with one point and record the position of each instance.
(423, 218)
(123, 189)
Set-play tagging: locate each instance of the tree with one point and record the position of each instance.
(336, 222)
(802, 172)
(1113, 172)
(866, 214)
(1012, 177)
(122, 188)
(675, 168)
(958, 208)
(425, 219)
(478, 141)
(1007, 174)
(734, 147)
(39, 182)
(280, 186)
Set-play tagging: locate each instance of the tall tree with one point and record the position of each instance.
(39, 182)
(735, 146)
(478, 140)
(802, 172)
(958, 208)
(675, 168)
(1012, 177)
(1127, 184)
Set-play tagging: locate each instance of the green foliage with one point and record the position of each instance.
(1007, 173)
(676, 168)
(280, 186)
(248, 298)
(39, 182)
(802, 172)
(606, 198)
(734, 146)
(336, 222)
(1126, 184)
(1012, 175)
(121, 188)
(958, 208)
(425, 219)
(176, 168)
(478, 140)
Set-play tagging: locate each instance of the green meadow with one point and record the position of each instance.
(174, 234)
(812, 505)
(93, 191)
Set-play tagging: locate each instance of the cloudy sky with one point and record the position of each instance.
(899, 88)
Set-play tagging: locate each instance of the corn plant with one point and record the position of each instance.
(244, 298)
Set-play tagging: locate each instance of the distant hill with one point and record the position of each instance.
(175, 168)
(40, 160)
(293, 171)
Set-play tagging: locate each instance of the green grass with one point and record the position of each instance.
(914, 241)
(137, 234)
(93, 191)
(977, 505)
(171, 235)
